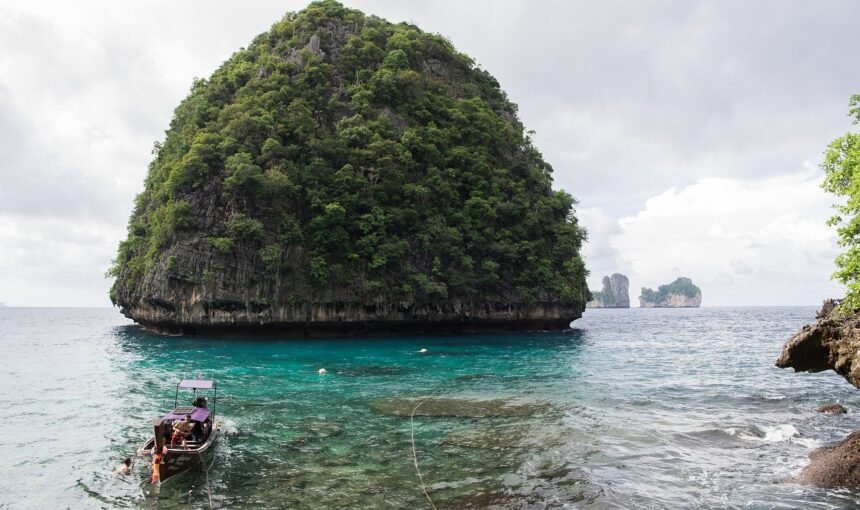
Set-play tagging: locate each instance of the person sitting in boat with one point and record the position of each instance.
(199, 401)
(197, 432)
(182, 430)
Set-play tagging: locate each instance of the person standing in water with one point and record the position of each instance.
(157, 459)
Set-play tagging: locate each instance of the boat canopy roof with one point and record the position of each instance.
(197, 413)
(196, 384)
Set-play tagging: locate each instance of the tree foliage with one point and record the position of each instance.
(841, 167)
(385, 155)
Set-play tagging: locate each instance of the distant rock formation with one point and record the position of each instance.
(681, 293)
(615, 293)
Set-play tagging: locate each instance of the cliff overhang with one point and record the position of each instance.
(236, 319)
(831, 343)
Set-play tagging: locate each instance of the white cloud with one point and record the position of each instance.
(601, 258)
(744, 241)
(55, 261)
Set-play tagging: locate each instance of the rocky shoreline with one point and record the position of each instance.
(831, 343)
(346, 319)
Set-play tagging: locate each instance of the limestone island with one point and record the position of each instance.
(614, 294)
(681, 293)
(345, 175)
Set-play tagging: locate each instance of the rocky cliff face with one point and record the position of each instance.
(345, 175)
(831, 343)
(673, 301)
(614, 294)
(681, 293)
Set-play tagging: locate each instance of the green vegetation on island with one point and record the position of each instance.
(344, 158)
(613, 294)
(681, 293)
(841, 167)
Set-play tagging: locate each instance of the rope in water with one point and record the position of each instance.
(206, 470)
(414, 454)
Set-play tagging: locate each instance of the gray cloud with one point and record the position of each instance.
(631, 98)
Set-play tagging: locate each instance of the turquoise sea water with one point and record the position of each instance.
(630, 409)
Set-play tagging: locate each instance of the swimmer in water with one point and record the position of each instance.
(125, 468)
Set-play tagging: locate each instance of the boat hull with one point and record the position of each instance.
(176, 461)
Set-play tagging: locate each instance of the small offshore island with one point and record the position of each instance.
(681, 293)
(615, 293)
(345, 175)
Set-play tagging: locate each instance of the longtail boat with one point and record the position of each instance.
(173, 453)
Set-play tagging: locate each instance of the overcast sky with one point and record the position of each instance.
(690, 132)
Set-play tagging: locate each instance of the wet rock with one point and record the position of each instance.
(321, 428)
(831, 343)
(836, 466)
(457, 407)
(832, 409)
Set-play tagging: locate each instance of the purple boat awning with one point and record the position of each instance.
(197, 414)
(196, 384)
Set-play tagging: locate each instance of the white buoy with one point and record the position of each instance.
(322, 371)
(422, 351)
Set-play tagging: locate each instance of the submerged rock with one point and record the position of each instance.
(457, 407)
(490, 438)
(502, 437)
(832, 409)
(345, 175)
(614, 294)
(370, 371)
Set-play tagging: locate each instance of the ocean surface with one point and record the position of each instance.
(631, 408)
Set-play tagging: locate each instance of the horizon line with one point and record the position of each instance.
(596, 308)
